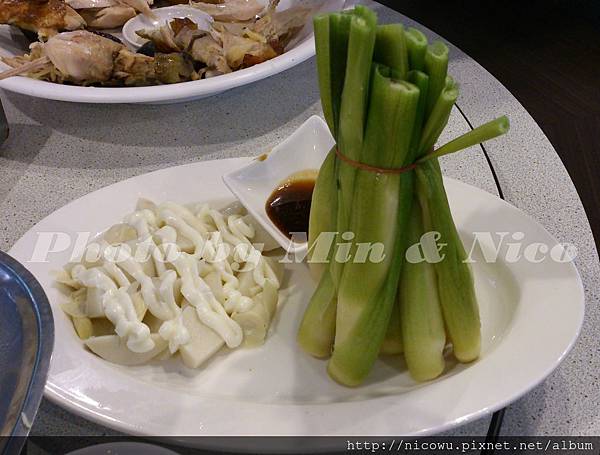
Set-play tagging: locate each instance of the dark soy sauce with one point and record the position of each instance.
(288, 207)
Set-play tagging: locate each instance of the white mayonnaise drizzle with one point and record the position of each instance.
(159, 232)
(209, 310)
(118, 308)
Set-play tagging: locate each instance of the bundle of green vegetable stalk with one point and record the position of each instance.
(386, 97)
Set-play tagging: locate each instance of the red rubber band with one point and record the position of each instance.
(377, 170)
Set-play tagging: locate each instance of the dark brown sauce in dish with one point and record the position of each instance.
(288, 207)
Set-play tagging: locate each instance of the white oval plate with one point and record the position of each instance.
(531, 315)
(301, 49)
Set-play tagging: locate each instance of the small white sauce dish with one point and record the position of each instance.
(164, 15)
(305, 149)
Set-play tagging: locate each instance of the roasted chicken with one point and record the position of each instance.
(227, 47)
(107, 18)
(82, 56)
(176, 51)
(142, 6)
(105, 14)
(44, 17)
(86, 58)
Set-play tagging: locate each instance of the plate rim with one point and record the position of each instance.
(45, 344)
(63, 401)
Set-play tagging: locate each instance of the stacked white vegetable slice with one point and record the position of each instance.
(173, 279)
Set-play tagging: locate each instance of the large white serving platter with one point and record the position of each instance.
(531, 315)
(298, 51)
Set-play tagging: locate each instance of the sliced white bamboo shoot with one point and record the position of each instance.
(164, 355)
(152, 322)
(120, 233)
(75, 306)
(139, 305)
(185, 244)
(102, 326)
(92, 256)
(276, 266)
(64, 277)
(270, 297)
(145, 204)
(83, 327)
(114, 349)
(254, 322)
(177, 292)
(204, 342)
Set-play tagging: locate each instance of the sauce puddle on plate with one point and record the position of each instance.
(288, 207)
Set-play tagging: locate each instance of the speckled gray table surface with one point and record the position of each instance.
(58, 152)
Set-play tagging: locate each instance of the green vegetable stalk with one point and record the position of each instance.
(417, 46)
(455, 282)
(322, 216)
(386, 97)
(331, 38)
(317, 329)
(353, 114)
(347, 40)
(421, 320)
(364, 305)
(392, 342)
